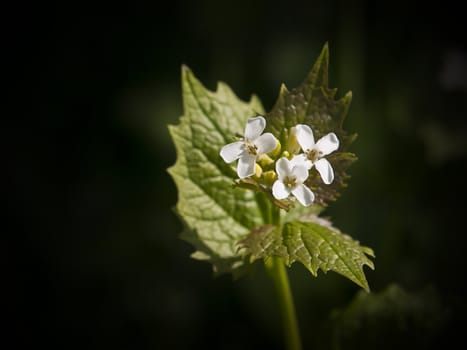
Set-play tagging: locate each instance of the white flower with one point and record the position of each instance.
(314, 152)
(291, 178)
(252, 145)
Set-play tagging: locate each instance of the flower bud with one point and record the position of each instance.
(258, 171)
(269, 177)
(293, 147)
(276, 151)
(264, 160)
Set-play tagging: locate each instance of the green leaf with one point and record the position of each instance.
(216, 214)
(313, 103)
(383, 320)
(263, 242)
(317, 245)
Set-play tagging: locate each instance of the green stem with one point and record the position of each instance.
(278, 273)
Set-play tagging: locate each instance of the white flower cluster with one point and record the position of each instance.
(291, 171)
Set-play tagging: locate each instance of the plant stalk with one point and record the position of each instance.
(278, 273)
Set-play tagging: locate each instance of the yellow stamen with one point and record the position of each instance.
(290, 182)
(313, 155)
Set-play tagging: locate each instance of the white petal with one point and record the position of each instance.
(246, 165)
(300, 172)
(266, 143)
(327, 144)
(305, 136)
(304, 195)
(325, 170)
(254, 127)
(283, 168)
(232, 151)
(279, 190)
(301, 159)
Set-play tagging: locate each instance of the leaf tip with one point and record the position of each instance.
(313, 271)
(170, 170)
(187, 73)
(318, 76)
(369, 251)
(325, 49)
(185, 69)
(324, 55)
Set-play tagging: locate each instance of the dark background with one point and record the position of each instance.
(98, 264)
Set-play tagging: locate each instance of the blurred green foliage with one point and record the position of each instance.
(99, 263)
(391, 319)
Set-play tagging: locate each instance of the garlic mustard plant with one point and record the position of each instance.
(266, 209)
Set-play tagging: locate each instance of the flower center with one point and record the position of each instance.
(290, 181)
(313, 154)
(251, 148)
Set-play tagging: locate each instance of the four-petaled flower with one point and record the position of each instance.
(290, 180)
(314, 152)
(291, 173)
(250, 147)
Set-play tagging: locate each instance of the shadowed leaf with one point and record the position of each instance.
(313, 103)
(317, 245)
